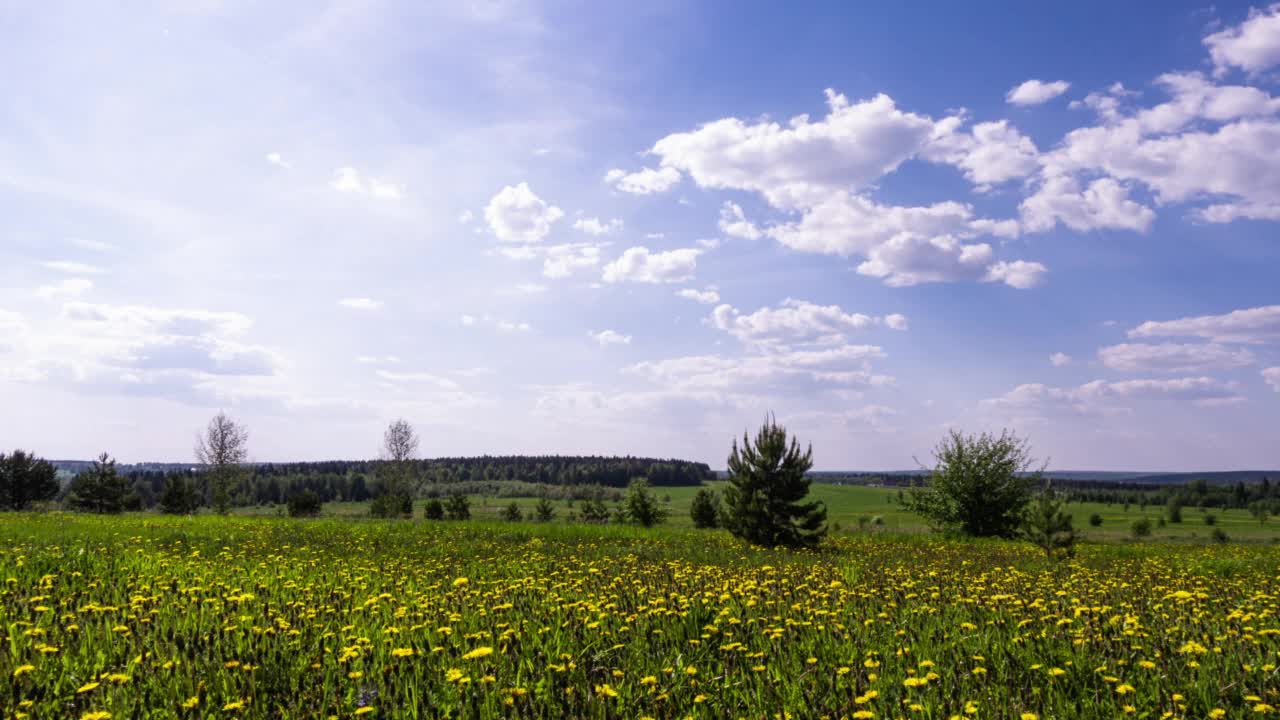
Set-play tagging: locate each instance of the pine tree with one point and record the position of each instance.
(640, 506)
(705, 509)
(433, 510)
(178, 496)
(457, 507)
(767, 486)
(25, 479)
(100, 489)
(544, 510)
(512, 512)
(1047, 524)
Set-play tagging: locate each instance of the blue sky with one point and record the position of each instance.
(596, 228)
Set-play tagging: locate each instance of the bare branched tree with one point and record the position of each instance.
(400, 442)
(398, 471)
(222, 448)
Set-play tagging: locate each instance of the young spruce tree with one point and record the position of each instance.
(767, 486)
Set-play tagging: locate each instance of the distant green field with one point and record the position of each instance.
(853, 509)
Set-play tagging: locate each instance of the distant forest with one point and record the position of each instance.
(357, 480)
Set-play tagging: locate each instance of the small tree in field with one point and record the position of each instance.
(457, 507)
(512, 512)
(1048, 525)
(222, 449)
(705, 510)
(178, 496)
(1095, 520)
(980, 485)
(25, 479)
(764, 503)
(100, 489)
(304, 504)
(397, 473)
(640, 506)
(544, 511)
(433, 510)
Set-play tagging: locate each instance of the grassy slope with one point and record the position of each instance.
(847, 503)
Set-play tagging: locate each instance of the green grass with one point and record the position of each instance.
(146, 616)
(852, 507)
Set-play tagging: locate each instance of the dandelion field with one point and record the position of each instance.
(155, 617)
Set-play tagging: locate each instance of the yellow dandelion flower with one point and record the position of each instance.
(23, 670)
(478, 653)
(87, 687)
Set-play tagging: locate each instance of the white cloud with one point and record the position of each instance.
(1252, 325)
(785, 371)
(507, 326)
(610, 337)
(349, 180)
(561, 261)
(991, 153)
(360, 303)
(276, 159)
(516, 214)
(710, 296)
(94, 245)
(593, 226)
(13, 330)
(646, 181)
(797, 321)
(1035, 92)
(1272, 377)
(735, 224)
(1019, 274)
(65, 290)
(375, 360)
(466, 217)
(1059, 359)
(1104, 204)
(529, 289)
(800, 163)
(638, 264)
(467, 320)
(418, 378)
(1101, 396)
(1171, 149)
(1173, 357)
(1253, 45)
(73, 268)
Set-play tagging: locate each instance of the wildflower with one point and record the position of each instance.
(459, 582)
(364, 710)
(23, 670)
(190, 703)
(99, 715)
(478, 653)
(87, 687)
(606, 690)
(402, 652)
(232, 706)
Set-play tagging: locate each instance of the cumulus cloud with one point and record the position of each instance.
(989, 154)
(1173, 357)
(797, 321)
(646, 181)
(564, 260)
(593, 226)
(1251, 325)
(360, 303)
(610, 337)
(278, 160)
(65, 290)
(349, 180)
(735, 224)
(802, 162)
(1104, 204)
(815, 172)
(638, 264)
(1059, 359)
(710, 296)
(1272, 377)
(1036, 92)
(517, 215)
(1253, 45)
